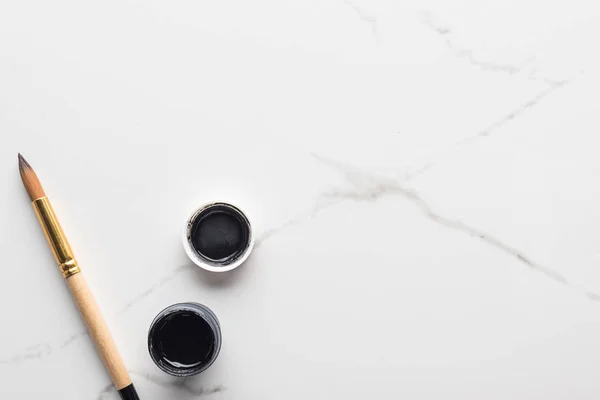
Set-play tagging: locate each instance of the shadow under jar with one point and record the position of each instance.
(184, 339)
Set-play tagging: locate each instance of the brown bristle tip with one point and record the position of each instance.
(30, 179)
(23, 164)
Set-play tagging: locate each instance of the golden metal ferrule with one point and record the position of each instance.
(56, 237)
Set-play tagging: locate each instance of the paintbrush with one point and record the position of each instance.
(77, 285)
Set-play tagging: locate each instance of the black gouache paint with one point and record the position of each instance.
(220, 233)
(184, 339)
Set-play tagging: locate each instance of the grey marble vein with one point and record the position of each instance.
(38, 351)
(73, 338)
(183, 385)
(445, 31)
(492, 128)
(516, 112)
(470, 56)
(34, 352)
(169, 277)
(107, 392)
(364, 16)
(368, 187)
(301, 218)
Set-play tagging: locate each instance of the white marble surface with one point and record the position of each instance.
(423, 177)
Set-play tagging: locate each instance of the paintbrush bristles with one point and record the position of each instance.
(30, 180)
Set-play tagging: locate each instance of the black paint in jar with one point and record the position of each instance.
(218, 237)
(184, 339)
(219, 234)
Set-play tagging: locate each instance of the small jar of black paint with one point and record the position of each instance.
(184, 339)
(218, 236)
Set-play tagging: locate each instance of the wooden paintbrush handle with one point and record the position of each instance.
(76, 282)
(98, 331)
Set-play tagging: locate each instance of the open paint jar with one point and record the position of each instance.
(184, 339)
(218, 236)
